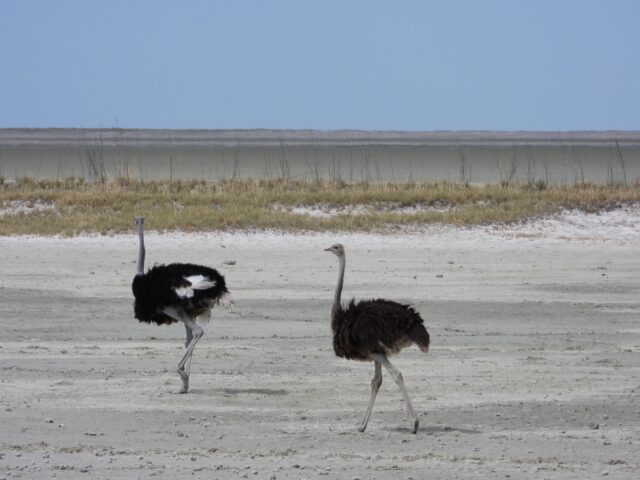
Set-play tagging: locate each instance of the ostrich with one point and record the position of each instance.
(178, 292)
(371, 330)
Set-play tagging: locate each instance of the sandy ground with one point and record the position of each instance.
(534, 370)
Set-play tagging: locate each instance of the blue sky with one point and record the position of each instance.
(326, 64)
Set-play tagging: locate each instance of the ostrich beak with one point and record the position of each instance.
(327, 249)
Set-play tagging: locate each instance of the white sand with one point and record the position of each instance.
(534, 370)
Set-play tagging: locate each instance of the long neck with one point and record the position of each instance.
(140, 250)
(336, 297)
(336, 310)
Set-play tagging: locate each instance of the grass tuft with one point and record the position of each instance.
(74, 206)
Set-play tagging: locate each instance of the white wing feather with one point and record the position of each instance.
(198, 282)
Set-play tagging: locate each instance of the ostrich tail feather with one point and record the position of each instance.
(226, 300)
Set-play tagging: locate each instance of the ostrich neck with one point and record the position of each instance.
(336, 297)
(140, 251)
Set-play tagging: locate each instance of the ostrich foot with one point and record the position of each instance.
(362, 428)
(415, 426)
(184, 376)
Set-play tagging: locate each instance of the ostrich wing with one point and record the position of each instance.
(194, 282)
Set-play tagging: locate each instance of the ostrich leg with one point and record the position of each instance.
(397, 377)
(184, 373)
(189, 336)
(186, 345)
(197, 332)
(376, 381)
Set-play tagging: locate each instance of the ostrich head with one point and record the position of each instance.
(139, 221)
(336, 249)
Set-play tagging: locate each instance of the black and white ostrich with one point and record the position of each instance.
(371, 330)
(178, 292)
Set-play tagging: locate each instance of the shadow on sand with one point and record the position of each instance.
(259, 391)
(435, 429)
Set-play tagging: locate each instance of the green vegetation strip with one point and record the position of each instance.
(73, 206)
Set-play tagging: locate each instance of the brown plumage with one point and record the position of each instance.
(372, 330)
(374, 327)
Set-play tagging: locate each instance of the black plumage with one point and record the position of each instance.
(178, 292)
(158, 288)
(372, 330)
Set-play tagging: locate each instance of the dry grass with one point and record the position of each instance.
(74, 206)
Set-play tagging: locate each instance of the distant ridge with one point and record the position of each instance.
(264, 137)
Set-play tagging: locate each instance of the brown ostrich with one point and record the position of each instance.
(372, 330)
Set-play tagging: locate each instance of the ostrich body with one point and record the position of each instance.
(178, 292)
(372, 330)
